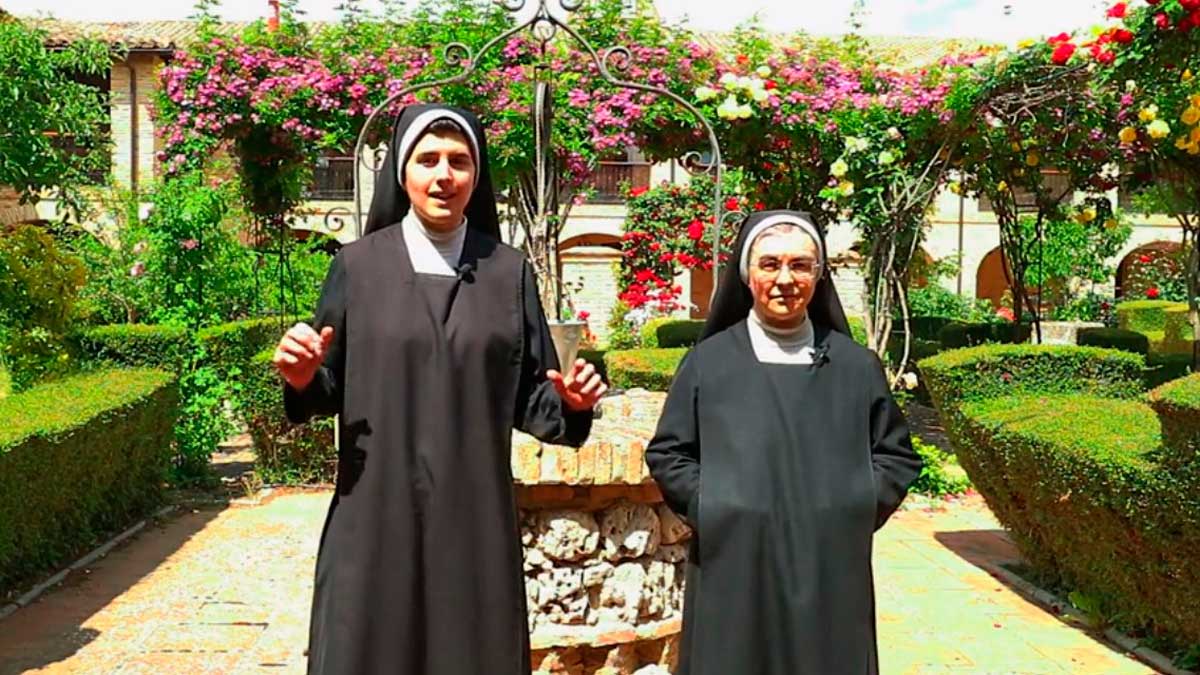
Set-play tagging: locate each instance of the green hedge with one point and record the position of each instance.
(164, 347)
(650, 369)
(1114, 338)
(1177, 330)
(1073, 479)
(284, 452)
(858, 329)
(960, 334)
(1144, 316)
(231, 346)
(1163, 368)
(1178, 407)
(992, 371)
(5, 381)
(80, 457)
(927, 327)
(679, 333)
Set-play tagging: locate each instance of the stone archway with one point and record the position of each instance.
(1144, 254)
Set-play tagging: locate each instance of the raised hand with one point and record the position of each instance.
(579, 389)
(300, 353)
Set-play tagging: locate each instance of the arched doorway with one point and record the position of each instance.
(1131, 280)
(991, 283)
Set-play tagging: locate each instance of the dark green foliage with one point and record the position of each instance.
(1162, 368)
(1114, 338)
(679, 333)
(959, 334)
(285, 453)
(80, 457)
(651, 369)
(926, 327)
(1178, 407)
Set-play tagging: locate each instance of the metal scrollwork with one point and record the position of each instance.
(335, 218)
(544, 27)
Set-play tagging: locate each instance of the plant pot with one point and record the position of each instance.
(566, 336)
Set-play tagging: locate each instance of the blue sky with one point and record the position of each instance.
(943, 18)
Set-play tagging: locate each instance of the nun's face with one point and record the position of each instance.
(438, 179)
(783, 276)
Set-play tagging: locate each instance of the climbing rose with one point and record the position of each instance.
(1117, 11)
(1062, 53)
(1152, 293)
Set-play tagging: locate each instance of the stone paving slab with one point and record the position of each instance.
(227, 591)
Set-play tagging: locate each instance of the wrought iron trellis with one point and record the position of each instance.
(544, 27)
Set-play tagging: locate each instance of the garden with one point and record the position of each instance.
(136, 327)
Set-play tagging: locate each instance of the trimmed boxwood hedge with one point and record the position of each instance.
(5, 381)
(1144, 316)
(958, 334)
(285, 452)
(1163, 368)
(596, 358)
(650, 369)
(145, 345)
(1114, 338)
(679, 333)
(858, 329)
(1178, 407)
(80, 457)
(1067, 454)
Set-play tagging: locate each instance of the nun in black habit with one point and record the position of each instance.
(781, 445)
(432, 347)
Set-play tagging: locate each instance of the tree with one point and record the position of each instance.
(51, 127)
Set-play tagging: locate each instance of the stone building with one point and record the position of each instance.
(961, 229)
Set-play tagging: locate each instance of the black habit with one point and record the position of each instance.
(785, 471)
(420, 564)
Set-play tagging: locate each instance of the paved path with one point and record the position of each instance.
(227, 590)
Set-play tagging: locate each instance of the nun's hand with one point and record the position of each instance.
(579, 389)
(300, 352)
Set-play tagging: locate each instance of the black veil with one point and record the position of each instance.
(391, 202)
(733, 301)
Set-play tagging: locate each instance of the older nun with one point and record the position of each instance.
(782, 447)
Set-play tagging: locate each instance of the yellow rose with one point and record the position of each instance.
(1032, 159)
(1128, 135)
(1148, 114)
(1158, 129)
(1187, 75)
(956, 187)
(1016, 146)
(1193, 149)
(1002, 186)
(1026, 43)
(1110, 224)
(1196, 100)
(1190, 116)
(1181, 143)
(1087, 215)
(1195, 135)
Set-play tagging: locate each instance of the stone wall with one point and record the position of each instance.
(604, 557)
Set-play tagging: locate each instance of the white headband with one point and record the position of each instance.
(782, 219)
(417, 129)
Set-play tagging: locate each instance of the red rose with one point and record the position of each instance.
(638, 191)
(1062, 53)
(1185, 24)
(769, 85)
(731, 204)
(1162, 21)
(1061, 37)
(1117, 11)
(643, 276)
(1190, 5)
(583, 315)
(1144, 259)
(768, 166)
(742, 59)
(1152, 293)
(654, 246)
(1106, 57)
(1195, 17)
(696, 230)
(1123, 36)
(1152, 2)
(759, 206)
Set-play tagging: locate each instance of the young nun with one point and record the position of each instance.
(782, 447)
(430, 343)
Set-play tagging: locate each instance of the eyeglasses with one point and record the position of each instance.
(797, 267)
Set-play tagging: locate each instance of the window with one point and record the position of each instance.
(333, 178)
(611, 174)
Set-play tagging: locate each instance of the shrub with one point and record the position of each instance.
(231, 346)
(1144, 316)
(78, 458)
(940, 473)
(39, 283)
(960, 334)
(1163, 368)
(163, 347)
(679, 333)
(596, 358)
(1178, 407)
(926, 327)
(1177, 330)
(1114, 338)
(648, 333)
(5, 381)
(651, 369)
(858, 329)
(1088, 505)
(284, 452)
